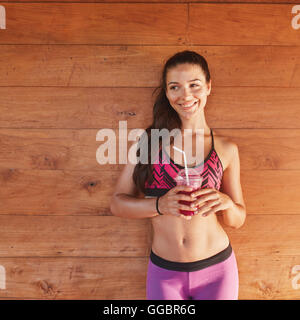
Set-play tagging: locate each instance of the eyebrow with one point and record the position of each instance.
(188, 81)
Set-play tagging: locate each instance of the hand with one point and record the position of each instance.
(168, 204)
(211, 201)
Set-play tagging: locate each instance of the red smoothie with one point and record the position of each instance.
(194, 181)
(187, 212)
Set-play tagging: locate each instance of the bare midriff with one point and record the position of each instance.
(180, 240)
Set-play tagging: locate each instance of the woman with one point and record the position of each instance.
(191, 256)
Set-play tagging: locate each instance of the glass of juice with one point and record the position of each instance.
(195, 181)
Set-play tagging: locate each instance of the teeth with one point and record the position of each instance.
(189, 105)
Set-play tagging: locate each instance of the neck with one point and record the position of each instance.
(195, 123)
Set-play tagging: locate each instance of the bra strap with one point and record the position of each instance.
(212, 139)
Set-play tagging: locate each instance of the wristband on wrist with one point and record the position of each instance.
(157, 206)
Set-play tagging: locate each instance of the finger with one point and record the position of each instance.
(203, 199)
(200, 192)
(209, 205)
(186, 207)
(186, 197)
(212, 210)
(207, 213)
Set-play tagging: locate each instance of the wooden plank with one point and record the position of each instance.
(140, 66)
(87, 236)
(167, 1)
(242, 24)
(75, 278)
(267, 235)
(95, 23)
(59, 149)
(46, 107)
(265, 271)
(273, 149)
(65, 192)
(271, 191)
(268, 277)
(262, 278)
(150, 24)
(60, 192)
(63, 149)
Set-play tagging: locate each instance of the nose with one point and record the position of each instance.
(186, 95)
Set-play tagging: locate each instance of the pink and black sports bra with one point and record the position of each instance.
(211, 169)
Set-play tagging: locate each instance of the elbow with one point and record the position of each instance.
(113, 206)
(243, 219)
(237, 226)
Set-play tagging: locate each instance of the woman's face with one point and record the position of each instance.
(186, 89)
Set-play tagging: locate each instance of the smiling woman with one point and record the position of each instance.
(188, 97)
(191, 256)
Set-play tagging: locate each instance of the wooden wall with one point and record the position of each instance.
(69, 69)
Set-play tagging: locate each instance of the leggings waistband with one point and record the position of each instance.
(191, 266)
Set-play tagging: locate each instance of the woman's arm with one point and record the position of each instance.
(127, 206)
(235, 215)
(127, 202)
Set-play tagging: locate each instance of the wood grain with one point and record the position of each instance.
(256, 24)
(166, 1)
(64, 192)
(107, 248)
(95, 23)
(71, 68)
(150, 24)
(103, 278)
(141, 66)
(96, 108)
(267, 278)
(74, 278)
(88, 236)
(71, 236)
(70, 149)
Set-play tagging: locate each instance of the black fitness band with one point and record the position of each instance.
(157, 206)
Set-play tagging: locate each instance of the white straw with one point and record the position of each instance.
(185, 166)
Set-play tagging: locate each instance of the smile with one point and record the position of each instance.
(189, 105)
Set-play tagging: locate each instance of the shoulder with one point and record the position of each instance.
(226, 149)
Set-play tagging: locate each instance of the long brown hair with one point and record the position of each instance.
(164, 115)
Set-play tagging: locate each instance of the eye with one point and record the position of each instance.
(172, 88)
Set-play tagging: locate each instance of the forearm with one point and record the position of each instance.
(234, 216)
(127, 206)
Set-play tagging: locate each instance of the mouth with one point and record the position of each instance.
(189, 106)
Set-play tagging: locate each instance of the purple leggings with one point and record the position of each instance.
(214, 278)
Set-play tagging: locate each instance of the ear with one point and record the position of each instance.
(209, 87)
